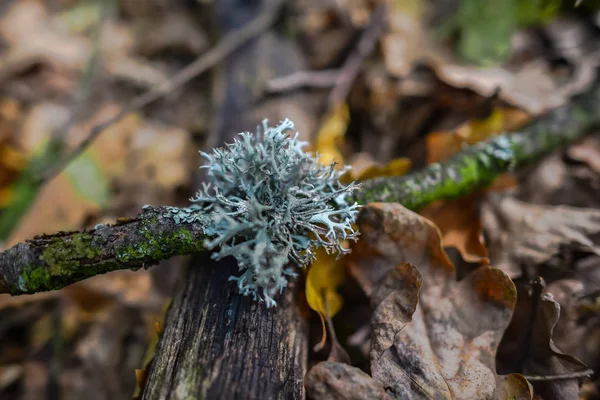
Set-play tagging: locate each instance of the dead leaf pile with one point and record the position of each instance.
(431, 335)
(530, 234)
(64, 67)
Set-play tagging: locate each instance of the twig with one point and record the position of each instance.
(354, 62)
(340, 79)
(536, 288)
(224, 48)
(572, 375)
(50, 262)
(303, 79)
(55, 261)
(477, 166)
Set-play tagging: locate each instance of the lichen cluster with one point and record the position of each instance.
(271, 205)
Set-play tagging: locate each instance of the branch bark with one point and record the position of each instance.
(54, 261)
(49, 262)
(219, 344)
(477, 166)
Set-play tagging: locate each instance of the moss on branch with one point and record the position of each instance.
(477, 166)
(51, 262)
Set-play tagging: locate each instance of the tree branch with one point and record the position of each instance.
(51, 262)
(55, 261)
(477, 166)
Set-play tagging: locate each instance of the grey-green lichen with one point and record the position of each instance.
(270, 205)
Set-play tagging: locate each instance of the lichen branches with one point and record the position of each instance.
(271, 205)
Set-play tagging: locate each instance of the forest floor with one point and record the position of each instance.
(510, 273)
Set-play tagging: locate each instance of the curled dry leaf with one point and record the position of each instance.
(546, 359)
(461, 228)
(334, 380)
(528, 233)
(587, 151)
(529, 344)
(445, 348)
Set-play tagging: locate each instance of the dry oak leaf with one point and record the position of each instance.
(544, 358)
(433, 337)
(339, 381)
(519, 232)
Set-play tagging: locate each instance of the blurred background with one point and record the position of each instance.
(429, 77)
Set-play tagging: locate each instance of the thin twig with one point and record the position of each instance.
(340, 79)
(572, 375)
(303, 79)
(224, 48)
(354, 62)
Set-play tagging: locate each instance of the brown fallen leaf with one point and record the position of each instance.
(546, 359)
(529, 344)
(446, 347)
(34, 37)
(461, 228)
(339, 381)
(527, 81)
(532, 234)
(587, 151)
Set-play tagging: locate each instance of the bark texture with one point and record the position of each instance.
(50, 262)
(216, 343)
(219, 345)
(478, 165)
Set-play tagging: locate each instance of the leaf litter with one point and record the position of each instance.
(419, 98)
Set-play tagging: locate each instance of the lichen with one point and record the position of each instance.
(271, 205)
(62, 258)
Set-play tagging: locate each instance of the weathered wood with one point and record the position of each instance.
(217, 344)
(49, 262)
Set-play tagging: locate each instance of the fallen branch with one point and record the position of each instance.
(477, 166)
(51, 262)
(572, 375)
(54, 261)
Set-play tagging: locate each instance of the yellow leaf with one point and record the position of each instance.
(443, 144)
(5, 196)
(396, 167)
(324, 277)
(369, 169)
(12, 158)
(331, 135)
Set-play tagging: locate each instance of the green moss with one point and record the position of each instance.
(158, 245)
(68, 260)
(63, 258)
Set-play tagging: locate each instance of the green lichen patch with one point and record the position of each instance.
(62, 257)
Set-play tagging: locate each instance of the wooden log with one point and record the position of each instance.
(217, 343)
